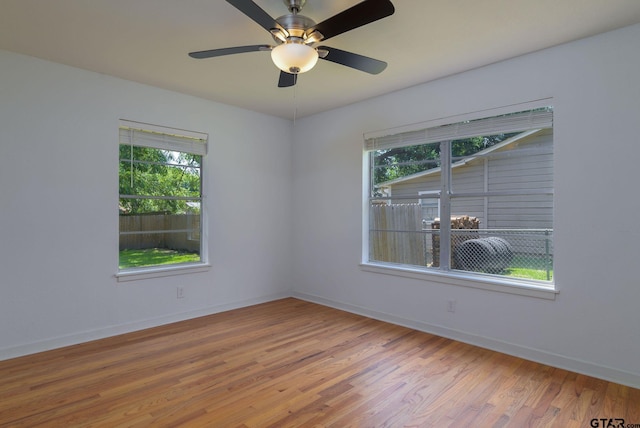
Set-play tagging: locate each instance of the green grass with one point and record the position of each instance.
(529, 267)
(155, 257)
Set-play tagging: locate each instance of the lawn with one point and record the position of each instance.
(529, 267)
(155, 257)
(525, 267)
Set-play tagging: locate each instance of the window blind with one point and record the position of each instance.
(503, 124)
(138, 134)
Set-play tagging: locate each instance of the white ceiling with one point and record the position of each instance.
(147, 41)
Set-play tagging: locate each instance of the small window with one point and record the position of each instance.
(161, 204)
(491, 178)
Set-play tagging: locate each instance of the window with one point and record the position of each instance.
(491, 177)
(160, 206)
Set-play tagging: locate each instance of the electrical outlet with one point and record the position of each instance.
(180, 293)
(451, 306)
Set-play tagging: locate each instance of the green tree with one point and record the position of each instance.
(390, 164)
(153, 172)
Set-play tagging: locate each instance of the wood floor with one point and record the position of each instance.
(291, 363)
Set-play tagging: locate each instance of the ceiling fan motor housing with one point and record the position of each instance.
(295, 25)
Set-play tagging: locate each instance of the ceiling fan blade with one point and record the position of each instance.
(287, 79)
(359, 62)
(257, 14)
(228, 51)
(361, 14)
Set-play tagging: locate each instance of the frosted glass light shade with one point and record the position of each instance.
(294, 58)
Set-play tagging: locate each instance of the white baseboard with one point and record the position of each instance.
(87, 336)
(536, 355)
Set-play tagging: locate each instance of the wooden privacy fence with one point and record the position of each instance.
(172, 231)
(396, 234)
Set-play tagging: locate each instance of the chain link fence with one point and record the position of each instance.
(520, 253)
(398, 234)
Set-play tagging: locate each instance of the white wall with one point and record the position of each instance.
(593, 324)
(59, 201)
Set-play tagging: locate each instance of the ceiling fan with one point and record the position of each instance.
(295, 36)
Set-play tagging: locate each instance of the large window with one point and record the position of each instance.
(469, 198)
(160, 186)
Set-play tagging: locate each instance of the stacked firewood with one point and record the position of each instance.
(465, 222)
(457, 222)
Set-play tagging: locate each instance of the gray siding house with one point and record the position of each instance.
(521, 201)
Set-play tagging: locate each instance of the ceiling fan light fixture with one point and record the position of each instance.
(294, 58)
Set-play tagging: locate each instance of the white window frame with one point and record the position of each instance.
(405, 136)
(161, 137)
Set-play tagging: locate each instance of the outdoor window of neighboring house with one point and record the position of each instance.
(160, 205)
(491, 177)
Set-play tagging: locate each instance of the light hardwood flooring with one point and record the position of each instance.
(291, 363)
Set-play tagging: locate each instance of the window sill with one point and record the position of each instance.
(511, 286)
(160, 271)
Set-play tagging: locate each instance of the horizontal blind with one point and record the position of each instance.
(135, 134)
(503, 124)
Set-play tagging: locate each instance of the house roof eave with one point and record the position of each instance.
(460, 163)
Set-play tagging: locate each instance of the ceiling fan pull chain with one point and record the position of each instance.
(295, 105)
